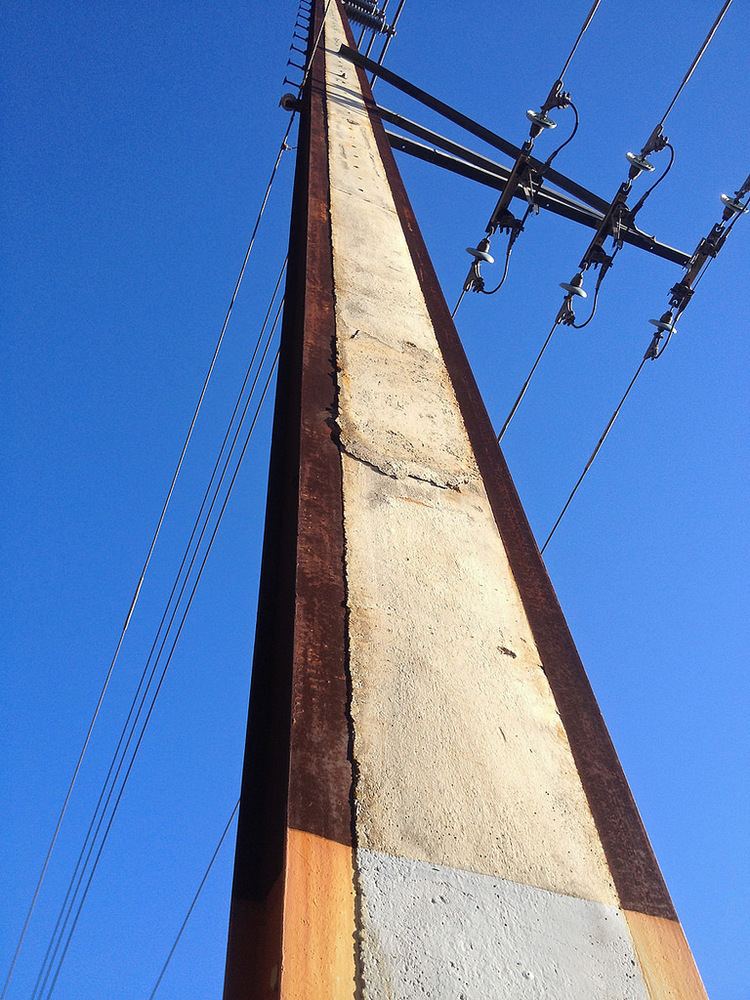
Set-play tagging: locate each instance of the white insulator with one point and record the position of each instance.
(640, 161)
(735, 205)
(541, 118)
(573, 288)
(478, 254)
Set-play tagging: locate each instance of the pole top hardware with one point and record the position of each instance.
(540, 120)
(369, 15)
(665, 323)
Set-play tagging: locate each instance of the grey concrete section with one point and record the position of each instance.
(428, 931)
(460, 754)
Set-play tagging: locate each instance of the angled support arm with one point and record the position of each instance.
(475, 128)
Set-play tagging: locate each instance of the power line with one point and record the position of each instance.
(581, 33)
(146, 564)
(194, 900)
(162, 677)
(525, 386)
(597, 449)
(45, 865)
(389, 39)
(48, 954)
(698, 56)
(79, 872)
(681, 295)
(522, 175)
(595, 255)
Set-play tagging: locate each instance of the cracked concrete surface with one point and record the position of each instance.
(462, 764)
(433, 606)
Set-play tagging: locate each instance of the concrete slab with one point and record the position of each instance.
(429, 931)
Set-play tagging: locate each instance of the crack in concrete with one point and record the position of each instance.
(391, 470)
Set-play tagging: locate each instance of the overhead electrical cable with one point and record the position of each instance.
(527, 382)
(389, 39)
(60, 917)
(681, 295)
(577, 42)
(194, 900)
(571, 137)
(79, 871)
(617, 215)
(698, 56)
(108, 676)
(597, 449)
(165, 668)
(146, 564)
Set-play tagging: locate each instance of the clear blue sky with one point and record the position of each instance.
(137, 140)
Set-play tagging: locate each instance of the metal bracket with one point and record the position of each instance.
(474, 127)
(474, 166)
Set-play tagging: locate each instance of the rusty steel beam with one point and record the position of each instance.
(296, 775)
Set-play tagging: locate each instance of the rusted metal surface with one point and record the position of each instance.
(296, 772)
(635, 870)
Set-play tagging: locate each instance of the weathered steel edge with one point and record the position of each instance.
(296, 768)
(635, 870)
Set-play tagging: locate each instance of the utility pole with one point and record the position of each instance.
(431, 803)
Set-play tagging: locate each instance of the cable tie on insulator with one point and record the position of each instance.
(481, 253)
(652, 351)
(565, 314)
(557, 97)
(474, 280)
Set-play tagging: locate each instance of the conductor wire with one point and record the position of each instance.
(595, 452)
(527, 382)
(698, 56)
(571, 137)
(194, 900)
(164, 672)
(581, 33)
(144, 569)
(49, 956)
